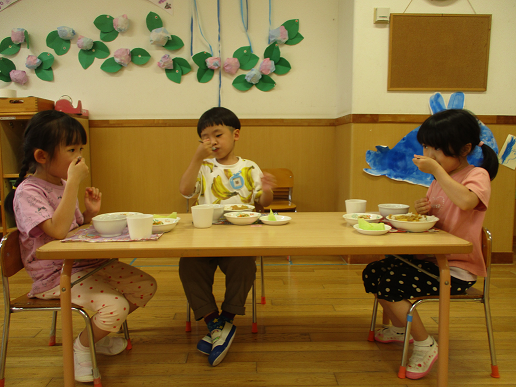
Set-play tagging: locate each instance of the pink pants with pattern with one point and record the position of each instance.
(109, 292)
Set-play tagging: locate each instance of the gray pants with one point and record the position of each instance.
(197, 275)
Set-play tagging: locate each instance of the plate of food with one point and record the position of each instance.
(242, 218)
(412, 222)
(275, 220)
(352, 219)
(376, 231)
(238, 207)
(163, 224)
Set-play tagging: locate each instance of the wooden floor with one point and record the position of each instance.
(312, 332)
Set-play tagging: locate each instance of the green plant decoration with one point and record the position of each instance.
(110, 27)
(99, 51)
(262, 82)
(204, 74)
(122, 57)
(181, 67)
(8, 47)
(44, 70)
(59, 45)
(154, 23)
(246, 58)
(6, 66)
(292, 27)
(282, 66)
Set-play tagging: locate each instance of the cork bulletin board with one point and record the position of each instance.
(439, 52)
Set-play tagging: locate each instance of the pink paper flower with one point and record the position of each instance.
(84, 43)
(65, 33)
(19, 76)
(122, 56)
(213, 62)
(231, 65)
(253, 76)
(279, 35)
(166, 62)
(18, 35)
(121, 23)
(159, 36)
(32, 62)
(267, 66)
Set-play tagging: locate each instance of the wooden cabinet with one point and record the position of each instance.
(12, 126)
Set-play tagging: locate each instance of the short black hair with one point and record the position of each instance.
(217, 116)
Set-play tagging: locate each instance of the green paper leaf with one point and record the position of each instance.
(204, 75)
(183, 63)
(243, 54)
(200, 59)
(26, 38)
(104, 23)
(174, 74)
(292, 27)
(86, 58)
(139, 56)
(251, 63)
(241, 84)
(266, 83)
(174, 43)
(100, 50)
(60, 46)
(51, 37)
(6, 66)
(153, 21)
(5, 78)
(272, 52)
(47, 60)
(295, 40)
(8, 47)
(282, 66)
(108, 36)
(110, 66)
(45, 74)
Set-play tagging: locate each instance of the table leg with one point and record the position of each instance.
(444, 321)
(66, 321)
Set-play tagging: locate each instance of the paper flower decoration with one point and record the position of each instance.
(110, 27)
(253, 76)
(171, 42)
(204, 73)
(59, 40)
(159, 36)
(281, 65)
(11, 45)
(213, 62)
(6, 66)
(65, 33)
(89, 50)
(292, 27)
(279, 35)
(19, 76)
(42, 65)
(175, 68)
(122, 57)
(267, 66)
(231, 65)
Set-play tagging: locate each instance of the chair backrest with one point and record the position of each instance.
(486, 247)
(284, 182)
(10, 255)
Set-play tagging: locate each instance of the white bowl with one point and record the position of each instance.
(218, 211)
(372, 232)
(164, 224)
(109, 225)
(238, 207)
(280, 219)
(352, 219)
(391, 208)
(425, 222)
(242, 218)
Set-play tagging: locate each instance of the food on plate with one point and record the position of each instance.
(172, 215)
(364, 216)
(409, 217)
(370, 226)
(237, 207)
(243, 215)
(271, 216)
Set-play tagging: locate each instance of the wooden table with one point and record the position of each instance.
(309, 233)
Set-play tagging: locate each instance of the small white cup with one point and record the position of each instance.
(140, 226)
(218, 210)
(355, 206)
(202, 215)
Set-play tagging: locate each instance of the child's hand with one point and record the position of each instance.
(268, 182)
(426, 164)
(78, 170)
(92, 199)
(422, 206)
(204, 150)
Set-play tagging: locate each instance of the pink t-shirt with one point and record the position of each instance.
(464, 224)
(35, 201)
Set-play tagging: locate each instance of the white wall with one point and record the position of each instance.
(307, 91)
(370, 58)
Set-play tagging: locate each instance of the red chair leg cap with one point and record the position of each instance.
(129, 345)
(52, 341)
(371, 336)
(494, 371)
(188, 327)
(255, 328)
(263, 301)
(402, 373)
(97, 382)
(2, 382)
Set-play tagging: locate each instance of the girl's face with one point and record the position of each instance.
(57, 168)
(450, 164)
(222, 140)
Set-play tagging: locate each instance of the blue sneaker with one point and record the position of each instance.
(204, 345)
(222, 340)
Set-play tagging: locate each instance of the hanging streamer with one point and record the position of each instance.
(246, 22)
(200, 29)
(220, 69)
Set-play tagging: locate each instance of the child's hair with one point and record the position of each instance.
(450, 130)
(217, 116)
(46, 130)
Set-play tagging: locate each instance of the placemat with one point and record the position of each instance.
(91, 235)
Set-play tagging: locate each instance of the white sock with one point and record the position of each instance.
(79, 347)
(428, 342)
(398, 330)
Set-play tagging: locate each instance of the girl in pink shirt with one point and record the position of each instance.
(46, 208)
(459, 197)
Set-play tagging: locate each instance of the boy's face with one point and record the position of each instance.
(222, 139)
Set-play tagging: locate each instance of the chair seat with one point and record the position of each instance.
(26, 302)
(470, 294)
(281, 205)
